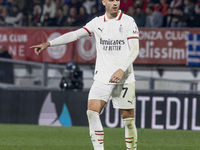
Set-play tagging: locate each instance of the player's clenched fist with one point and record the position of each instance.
(39, 48)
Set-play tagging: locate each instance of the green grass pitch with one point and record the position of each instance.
(32, 137)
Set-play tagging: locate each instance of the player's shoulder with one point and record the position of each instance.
(127, 18)
(130, 21)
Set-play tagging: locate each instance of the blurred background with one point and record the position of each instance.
(43, 89)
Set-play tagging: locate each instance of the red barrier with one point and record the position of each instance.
(157, 46)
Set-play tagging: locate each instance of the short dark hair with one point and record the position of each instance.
(138, 6)
(179, 8)
(151, 8)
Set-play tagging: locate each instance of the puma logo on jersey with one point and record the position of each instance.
(130, 102)
(135, 31)
(101, 29)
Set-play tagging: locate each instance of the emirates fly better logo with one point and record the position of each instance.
(112, 45)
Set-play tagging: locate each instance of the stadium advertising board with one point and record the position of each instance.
(161, 46)
(68, 108)
(168, 111)
(157, 46)
(169, 46)
(160, 111)
(18, 40)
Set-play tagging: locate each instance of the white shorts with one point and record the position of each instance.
(122, 95)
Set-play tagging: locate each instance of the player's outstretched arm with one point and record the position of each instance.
(63, 39)
(39, 48)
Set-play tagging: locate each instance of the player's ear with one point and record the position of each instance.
(103, 2)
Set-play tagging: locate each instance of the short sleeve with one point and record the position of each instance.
(89, 27)
(133, 31)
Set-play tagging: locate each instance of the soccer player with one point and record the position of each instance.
(117, 46)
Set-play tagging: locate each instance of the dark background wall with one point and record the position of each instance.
(156, 110)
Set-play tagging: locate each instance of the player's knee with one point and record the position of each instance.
(96, 105)
(129, 122)
(91, 106)
(91, 114)
(127, 113)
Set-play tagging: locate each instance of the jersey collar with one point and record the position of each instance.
(119, 16)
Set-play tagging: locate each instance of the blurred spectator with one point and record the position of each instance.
(100, 7)
(151, 3)
(2, 2)
(195, 22)
(47, 20)
(140, 17)
(58, 3)
(15, 17)
(72, 3)
(61, 4)
(72, 17)
(20, 3)
(48, 8)
(31, 4)
(168, 18)
(154, 18)
(176, 13)
(131, 11)
(60, 18)
(88, 5)
(175, 4)
(3, 13)
(177, 18)
(189, 7)
(8, 4)
(156, 2)
(125, 4)
(67, 2)
(37, 2)
(37, 12)
(2, 23)
(76, 4)
(6, 69)
(188, 12)
(30, 20)
(3, 10)
(162, 7)
(141, 3)
(34, 17)
(81, 17)
(93, 14)
(197, 5)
